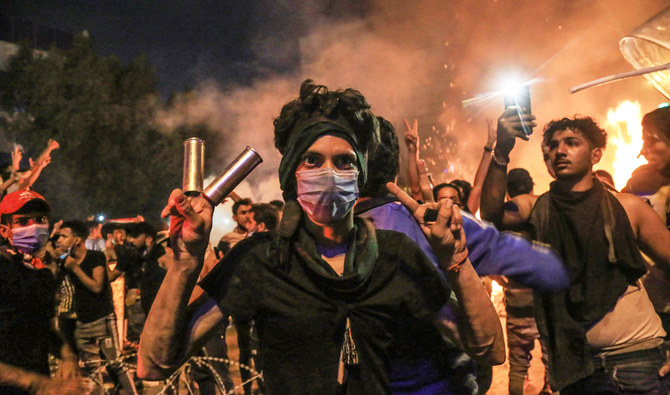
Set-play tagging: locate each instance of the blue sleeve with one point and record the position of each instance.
(531, 264)
(394, 216)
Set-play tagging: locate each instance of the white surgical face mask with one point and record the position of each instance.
(327, 195)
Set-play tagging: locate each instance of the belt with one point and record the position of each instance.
(605, 361)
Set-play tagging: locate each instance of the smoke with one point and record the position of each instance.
(421, 60)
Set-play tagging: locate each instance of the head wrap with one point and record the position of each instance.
(304, 134)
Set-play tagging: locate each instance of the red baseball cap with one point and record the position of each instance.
(15, 201)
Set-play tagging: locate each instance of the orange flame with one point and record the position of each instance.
(624, 139)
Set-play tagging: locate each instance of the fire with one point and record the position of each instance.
(624, 139)
(498, 297)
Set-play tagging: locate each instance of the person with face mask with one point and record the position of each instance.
(328, 292)
(27, 291)
(96, 329)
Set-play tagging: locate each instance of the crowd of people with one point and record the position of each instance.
(351, 284)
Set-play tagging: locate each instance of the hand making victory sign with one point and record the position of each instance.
(190, 223)
(445, 232)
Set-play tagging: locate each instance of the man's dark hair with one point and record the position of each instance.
(383, 164)
(464, 189)
(265, 213)
(107, 228)
(659, 120)
(317, 112)
(458, 189)
(90, 225)
(77, 227)
(596, 136)
(519, 182)
(278, 204)
(142, 228)
(317, 99)
(241, 202)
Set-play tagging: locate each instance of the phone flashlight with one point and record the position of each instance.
(519, 97)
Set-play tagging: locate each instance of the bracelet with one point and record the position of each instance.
(488, 149)
(498, 162)
(457, 266)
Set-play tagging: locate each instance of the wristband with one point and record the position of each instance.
(457, 266)
(488, 149)
(498, 162)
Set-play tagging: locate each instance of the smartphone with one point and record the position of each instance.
(521, 100)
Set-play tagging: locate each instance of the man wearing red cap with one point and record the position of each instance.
(27, 290)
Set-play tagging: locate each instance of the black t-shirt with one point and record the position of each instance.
(130, 263)
(152, 276)
(88, 305)
(27, 305)
(300, 313)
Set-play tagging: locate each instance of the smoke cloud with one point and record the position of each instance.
(421, 60)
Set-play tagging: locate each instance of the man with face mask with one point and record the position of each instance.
(96, 331)
(27, 290)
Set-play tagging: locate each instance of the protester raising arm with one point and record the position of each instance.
(412, 143)
(478, 324)
(38, 165)
(484, 163)
(173, 329)
(495, 184)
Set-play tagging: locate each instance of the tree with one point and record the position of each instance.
(112, 157)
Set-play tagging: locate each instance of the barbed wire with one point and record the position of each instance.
(183, 371)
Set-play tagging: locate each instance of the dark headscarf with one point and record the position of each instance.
(303, 136)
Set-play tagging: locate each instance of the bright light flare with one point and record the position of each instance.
(506, 85)
(512, 86)
(624, 131)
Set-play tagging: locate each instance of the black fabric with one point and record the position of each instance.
(300, 310)
(152, 276)
(27, 305)
(129, 261)
(88, 305)
(576, 225)
(303, 136)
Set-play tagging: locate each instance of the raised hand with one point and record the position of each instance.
(17, 155)
(52, 145)
(190, 223)
(445, 233)
(492, 135)
(412, 136)
(425, 182)
(510, 126)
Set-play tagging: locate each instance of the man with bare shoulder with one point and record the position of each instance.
(602, 333)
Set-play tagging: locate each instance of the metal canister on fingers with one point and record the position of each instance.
(194, 166)
(237, 171)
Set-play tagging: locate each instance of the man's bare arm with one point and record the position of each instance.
(412, 143)
(34, 383)
(95, 282)
(479, 328)
(478, 325)
(474, 199)
(652, 235)
(495, 184)
(173, 328)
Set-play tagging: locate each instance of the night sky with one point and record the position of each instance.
(231, 42)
